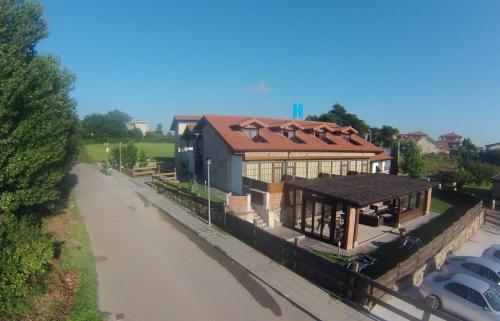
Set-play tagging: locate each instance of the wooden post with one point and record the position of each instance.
(427, 206)
(333, 221)
(303, 214)
(322, 219)
(409, 201)
(349, 227)
(313, 213)
(398, 216)
(356, 227)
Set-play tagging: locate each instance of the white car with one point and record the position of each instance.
(462, 295)
(478, 267)
(492, 253)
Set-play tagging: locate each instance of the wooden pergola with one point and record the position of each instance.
(332, 208)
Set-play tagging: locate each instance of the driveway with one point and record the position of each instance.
(150, 268)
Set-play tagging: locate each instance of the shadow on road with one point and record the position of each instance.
(258, 292)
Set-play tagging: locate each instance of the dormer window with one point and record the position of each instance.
(251, 132)
(346, 136)
(320, 134)
(289, 133)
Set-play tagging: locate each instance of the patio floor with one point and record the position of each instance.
(369, 238)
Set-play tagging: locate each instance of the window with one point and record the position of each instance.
(326, 167)
(266, 172)
(352, 166)
(364, 166)
(251, 132)
(252, 170)
(457, 289)
(476, 298)
(301, 169)
(290, 168)
(289, 133)
(493, 297)
(497, 254)
(312, 170)
(336, 167)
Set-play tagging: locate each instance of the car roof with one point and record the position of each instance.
(470, 281)
(494, 246)
(492, 265)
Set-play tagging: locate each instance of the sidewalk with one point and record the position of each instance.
(296, 289)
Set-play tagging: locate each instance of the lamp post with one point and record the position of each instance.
(120, 147)
(209, 161)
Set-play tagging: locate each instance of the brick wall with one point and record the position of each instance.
(238, 204)
(275, 200)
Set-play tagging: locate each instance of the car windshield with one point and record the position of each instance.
(493, 297)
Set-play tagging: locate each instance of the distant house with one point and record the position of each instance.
(427, 144)
(495, 190)
(184, 155)
(451, 141)
(494, 146)
(141, 125)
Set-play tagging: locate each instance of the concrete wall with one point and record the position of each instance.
(226, 169)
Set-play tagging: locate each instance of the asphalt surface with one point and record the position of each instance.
(150, 268)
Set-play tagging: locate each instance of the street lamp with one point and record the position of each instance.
(209, 161)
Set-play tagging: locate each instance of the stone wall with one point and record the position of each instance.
(437, 260)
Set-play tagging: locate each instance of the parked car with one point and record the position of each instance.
(478, 267)
(492, 253)
(460, 294)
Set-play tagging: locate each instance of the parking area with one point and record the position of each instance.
(481, 240)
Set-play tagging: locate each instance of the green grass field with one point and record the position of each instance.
(97, 152)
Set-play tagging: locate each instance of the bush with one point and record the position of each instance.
(129, 155)
(25, 254)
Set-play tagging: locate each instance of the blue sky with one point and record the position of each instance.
(428, 65)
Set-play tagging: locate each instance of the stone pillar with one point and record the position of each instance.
(427, 204)
(350, 224)
(249, 202)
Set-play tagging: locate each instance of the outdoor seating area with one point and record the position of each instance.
(332, 209)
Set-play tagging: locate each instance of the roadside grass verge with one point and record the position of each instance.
(451, 206)
(94, 153)
(193, 189)
(75, 262)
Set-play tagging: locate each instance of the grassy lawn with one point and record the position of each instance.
(71, 286)
(483, 191)
(450, 207)
(432, 163)
(97, 152)
(197, 189)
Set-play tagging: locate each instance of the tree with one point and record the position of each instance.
(412, 163)
(38, 123)
(102, 127)
(491, 157)
(385, 136)
(143, 159)
(159, 129)
(129, 155)
(339, 115)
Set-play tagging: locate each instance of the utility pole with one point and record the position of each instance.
(120, 147)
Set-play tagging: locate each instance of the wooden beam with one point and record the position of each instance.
(398, 216)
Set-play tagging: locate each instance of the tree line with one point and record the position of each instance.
(112, 127)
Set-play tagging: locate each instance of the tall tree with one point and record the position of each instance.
(412, 162)
(37, 115)
(385, 136)
(102, 127)
(339, 115)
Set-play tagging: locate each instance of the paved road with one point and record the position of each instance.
(149, 268)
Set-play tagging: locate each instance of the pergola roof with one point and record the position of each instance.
(363, 189)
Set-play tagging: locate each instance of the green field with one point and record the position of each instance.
(97, 152)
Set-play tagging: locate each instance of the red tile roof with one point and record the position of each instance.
(275, 141)
(451, 135)
(380, 157)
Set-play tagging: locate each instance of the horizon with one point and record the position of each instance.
(426, 66)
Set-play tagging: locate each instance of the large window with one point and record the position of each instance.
(336, 167)
(312, 170)
(252, 170)
(266, 172)
(326, 167)
(301, 169)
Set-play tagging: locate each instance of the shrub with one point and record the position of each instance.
(25, 254)
(129, 155)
